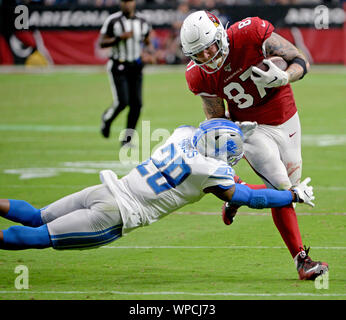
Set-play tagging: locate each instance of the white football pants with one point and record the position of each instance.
(85, 219)
(274, 152)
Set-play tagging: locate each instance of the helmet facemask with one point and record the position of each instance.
(214, 63)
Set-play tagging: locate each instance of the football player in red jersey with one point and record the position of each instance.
(223, 68)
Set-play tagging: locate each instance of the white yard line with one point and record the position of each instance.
(200, 294)
(261, 213)
(215, 247)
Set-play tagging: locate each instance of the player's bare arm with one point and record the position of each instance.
(276, 45)
(224, 195)
(213, 107)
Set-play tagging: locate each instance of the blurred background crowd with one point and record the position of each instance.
(192, 3)
(69, 29)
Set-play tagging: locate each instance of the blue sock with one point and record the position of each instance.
(21, 237)
(24, 213)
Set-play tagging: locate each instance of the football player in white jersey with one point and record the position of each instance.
(192, 162)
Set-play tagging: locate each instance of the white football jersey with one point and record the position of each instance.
(175, 175)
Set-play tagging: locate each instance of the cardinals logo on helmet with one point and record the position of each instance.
(213, 19)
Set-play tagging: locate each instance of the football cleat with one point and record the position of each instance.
(238, 180)
(308, 269)
(228, 213)
(105, 127)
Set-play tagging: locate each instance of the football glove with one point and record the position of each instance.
(247, 127)
(274, 77)
(304, 192)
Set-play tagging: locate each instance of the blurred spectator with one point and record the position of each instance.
(175, 49)
(208, 4)
(59, 2)
(167, 42)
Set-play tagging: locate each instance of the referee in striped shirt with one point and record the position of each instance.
(128, 34)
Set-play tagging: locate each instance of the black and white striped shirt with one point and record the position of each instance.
(130, 49)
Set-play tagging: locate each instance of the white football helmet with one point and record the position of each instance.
(199, 31)
(220, 139)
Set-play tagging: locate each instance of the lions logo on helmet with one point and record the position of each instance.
(219, 139)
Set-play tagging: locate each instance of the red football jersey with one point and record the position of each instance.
(246, 101)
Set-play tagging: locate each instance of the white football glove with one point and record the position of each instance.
(274, 77)
(304, 192)
(247, 127)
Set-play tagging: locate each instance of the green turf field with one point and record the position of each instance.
(50, 146)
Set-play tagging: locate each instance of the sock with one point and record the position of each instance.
(251, 186)
(285, 219)
(24, 213)
(256, 186)
(21, 237)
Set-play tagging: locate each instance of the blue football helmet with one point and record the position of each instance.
(220, 139)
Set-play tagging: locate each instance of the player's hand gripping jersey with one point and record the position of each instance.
(246, 101)
(175, 175)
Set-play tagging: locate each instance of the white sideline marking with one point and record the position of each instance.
(323, 140)
(85, 167)
(47, 128)
(238, 294)
(214, 247)
(259, 213)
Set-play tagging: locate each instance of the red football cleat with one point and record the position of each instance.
(228, 212)
(238, 180)
(308, 269)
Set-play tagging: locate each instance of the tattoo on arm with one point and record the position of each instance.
(213, 107)
(295, 72)
(276, 45)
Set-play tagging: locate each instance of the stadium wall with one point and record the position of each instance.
(68, 35)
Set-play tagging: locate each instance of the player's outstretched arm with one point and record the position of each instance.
(241, 195)
(276, 45)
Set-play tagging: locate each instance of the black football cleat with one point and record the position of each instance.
(105, 126)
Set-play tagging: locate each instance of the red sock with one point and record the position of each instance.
(251, 186)
(256, 186)
(285, 219)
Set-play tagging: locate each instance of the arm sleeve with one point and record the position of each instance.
(261, 198)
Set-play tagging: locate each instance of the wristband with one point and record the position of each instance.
(302, 63)
(296, 198)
